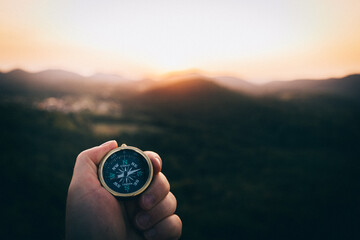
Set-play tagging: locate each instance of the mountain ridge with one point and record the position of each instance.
(60, 81)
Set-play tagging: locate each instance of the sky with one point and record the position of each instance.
(257, 40)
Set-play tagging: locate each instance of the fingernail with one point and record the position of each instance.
(150, 234)
(148, 201)
(142, 220)
(108, 143)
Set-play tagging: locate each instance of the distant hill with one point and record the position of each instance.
(54, 82)
(182, 85)
(112, 78)
(196, 98)
(237, 84)
(189, 88)
(190, 91)
(230, 82)
(348, 87)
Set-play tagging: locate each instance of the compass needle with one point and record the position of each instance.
(133, 171)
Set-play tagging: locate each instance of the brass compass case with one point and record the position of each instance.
(125, 171)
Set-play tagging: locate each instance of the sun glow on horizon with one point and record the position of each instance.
(258, 40)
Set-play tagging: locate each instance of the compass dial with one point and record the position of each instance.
(125, 171)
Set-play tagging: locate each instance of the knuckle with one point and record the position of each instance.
(165, 182)
(176, 226)
(81, 156)
(173, 202)
(152, 154)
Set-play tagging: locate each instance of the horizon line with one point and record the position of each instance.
(174, 74)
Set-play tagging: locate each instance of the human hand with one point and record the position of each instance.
(93, 213)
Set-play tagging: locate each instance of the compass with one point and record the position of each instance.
(125, 171)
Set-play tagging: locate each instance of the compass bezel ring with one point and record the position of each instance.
(130, 194)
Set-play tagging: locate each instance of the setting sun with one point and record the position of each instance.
(258, 40)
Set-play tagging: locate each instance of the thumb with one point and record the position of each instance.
(95, 154)
(88, 160)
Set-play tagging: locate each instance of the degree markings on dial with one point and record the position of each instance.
(124, 171)
(112, 175)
